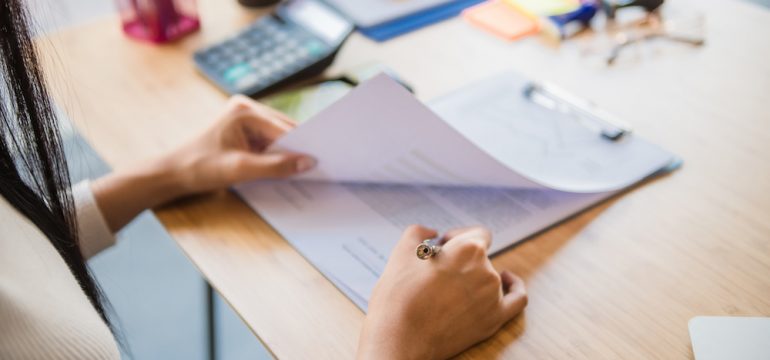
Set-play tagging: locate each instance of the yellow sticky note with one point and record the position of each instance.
(546, 7)
(501, 19)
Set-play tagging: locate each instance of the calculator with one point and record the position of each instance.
(299, 40)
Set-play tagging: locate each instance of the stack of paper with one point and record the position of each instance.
(483, 155)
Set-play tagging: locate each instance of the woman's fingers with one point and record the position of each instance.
(514, 295)
(514, 292)
(413, 236)
(281, 116)
(464, 236)
(260, 119)
(264, 110)
(456, 291)
(507, 279)
(270, 165)
(264, 126)
(418, 233)
(455, 232)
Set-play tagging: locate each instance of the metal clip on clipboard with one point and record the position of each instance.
(585, 112)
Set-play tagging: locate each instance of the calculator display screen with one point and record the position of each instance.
(319, 19)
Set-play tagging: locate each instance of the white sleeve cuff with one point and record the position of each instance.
(95, 234)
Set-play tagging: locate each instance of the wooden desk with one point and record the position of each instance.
(619, 281)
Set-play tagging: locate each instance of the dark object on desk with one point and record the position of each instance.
(611, 6)
(298, 41)
(258, 3)
(305, 102)
(581, 17)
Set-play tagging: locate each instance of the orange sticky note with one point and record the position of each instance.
(501, 19)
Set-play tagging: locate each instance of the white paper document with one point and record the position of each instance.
(347, 231)
(484, 136)
(480, 157)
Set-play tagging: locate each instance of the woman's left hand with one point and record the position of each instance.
(230, 152)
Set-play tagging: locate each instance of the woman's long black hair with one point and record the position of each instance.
(33, 171)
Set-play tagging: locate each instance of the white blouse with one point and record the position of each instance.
(44, 314)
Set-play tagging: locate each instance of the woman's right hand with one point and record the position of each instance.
(437, 308)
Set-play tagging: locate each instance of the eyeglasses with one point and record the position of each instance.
(622, 33)
(612, 6)
(686, 30)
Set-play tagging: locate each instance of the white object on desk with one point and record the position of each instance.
(730, 338)
(382, 141)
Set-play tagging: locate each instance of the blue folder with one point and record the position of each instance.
(393, 28)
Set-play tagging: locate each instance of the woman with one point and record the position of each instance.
(50, 305)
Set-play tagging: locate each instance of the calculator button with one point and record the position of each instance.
(314, 47)
(291, 58)
(272, 78)
(243, 47)
(211, 58)
(228, 43)
(226, 51)
(262, 68)
(279, 70)
(220, 67)
(236, 72)
(256, 64)
(273, 68)
(247, 82)
(286, 59)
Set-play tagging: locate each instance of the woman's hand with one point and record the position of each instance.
(231, 151)
(436, 308)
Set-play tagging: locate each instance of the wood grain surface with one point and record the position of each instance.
(618, 281)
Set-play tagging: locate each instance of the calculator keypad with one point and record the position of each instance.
(264, 54)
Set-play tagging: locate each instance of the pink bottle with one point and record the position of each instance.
(158, 21)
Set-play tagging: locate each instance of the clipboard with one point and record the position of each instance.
(584, 112)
